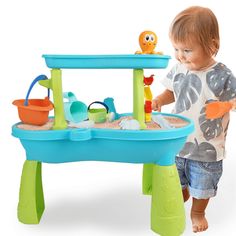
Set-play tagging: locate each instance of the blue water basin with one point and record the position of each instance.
(129, 146)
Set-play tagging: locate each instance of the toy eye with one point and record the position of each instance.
(147, 37)
(152, 38)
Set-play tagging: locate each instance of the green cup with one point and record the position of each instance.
(98, 115)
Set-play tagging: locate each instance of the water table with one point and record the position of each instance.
(156, 149)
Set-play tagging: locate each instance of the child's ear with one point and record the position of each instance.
(215, 46)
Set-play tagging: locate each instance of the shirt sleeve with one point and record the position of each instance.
(168, 80)
(230, 87)
(221, 82)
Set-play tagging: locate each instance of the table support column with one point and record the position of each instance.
(31, 200)
(59, 122)
(138, 97)
(167, 210)
(55, 84)
(147, 178)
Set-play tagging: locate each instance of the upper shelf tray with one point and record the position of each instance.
(130, 61)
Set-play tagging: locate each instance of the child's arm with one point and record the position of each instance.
(165, 98)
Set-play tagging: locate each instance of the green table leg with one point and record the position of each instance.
(55, 84)
(59, 118)
(147, 178)
(167, 213)
(31, 200)
(138, 97)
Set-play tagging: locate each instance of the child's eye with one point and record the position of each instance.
(187, 51)
(176, 50)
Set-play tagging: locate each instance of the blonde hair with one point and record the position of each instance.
(200, 23)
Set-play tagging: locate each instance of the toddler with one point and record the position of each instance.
(196, 80)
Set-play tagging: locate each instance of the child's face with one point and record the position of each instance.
(192, 55)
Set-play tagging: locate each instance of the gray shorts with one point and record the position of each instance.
(201, 178)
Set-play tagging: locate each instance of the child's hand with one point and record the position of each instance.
(165, 98)
(156, 104)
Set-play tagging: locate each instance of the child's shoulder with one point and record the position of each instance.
(221, 82)
(220, 70)
(220, 67)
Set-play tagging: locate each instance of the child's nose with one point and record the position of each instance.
(181, 55)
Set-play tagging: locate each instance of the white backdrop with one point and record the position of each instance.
(94, 198)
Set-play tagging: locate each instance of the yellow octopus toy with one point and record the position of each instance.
(147, 43)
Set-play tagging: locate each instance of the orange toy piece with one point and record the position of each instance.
(148, 106)
(216, 110)
(36, 112)
(147, 42)
(148, 97)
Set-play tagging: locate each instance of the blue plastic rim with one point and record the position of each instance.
(146, 135)
(144, 146)
(129, 61)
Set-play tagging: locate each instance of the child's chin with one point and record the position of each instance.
(189, 67)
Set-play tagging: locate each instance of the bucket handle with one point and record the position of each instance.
(38, 78)
(101, 103)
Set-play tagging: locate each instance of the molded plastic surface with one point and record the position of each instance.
(167, 215)
(31, 200)
(142, 146)
(132, 61)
